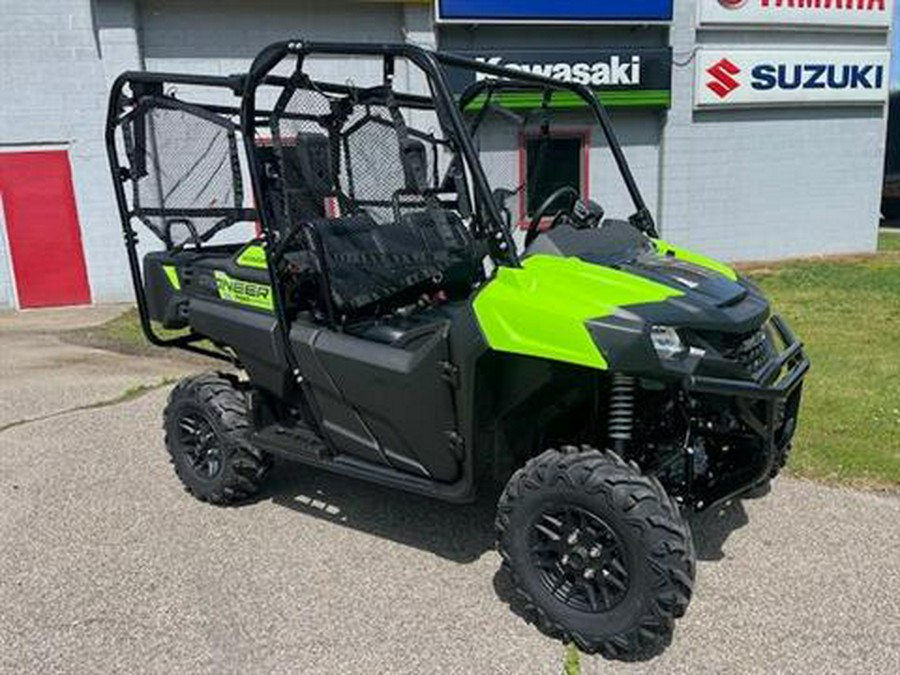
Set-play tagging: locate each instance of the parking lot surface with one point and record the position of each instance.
(107, 565)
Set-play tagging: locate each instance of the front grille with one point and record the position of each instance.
(753, 352)
(749, 350)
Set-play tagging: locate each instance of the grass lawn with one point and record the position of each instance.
(848, 315)
(123, 334)
(889, 241)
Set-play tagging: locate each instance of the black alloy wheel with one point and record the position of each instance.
(200, 445)
(580, 558)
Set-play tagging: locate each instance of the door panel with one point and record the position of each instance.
(342, 425)
(42, 229)
(400, 395)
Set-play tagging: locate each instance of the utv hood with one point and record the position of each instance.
(589, 297)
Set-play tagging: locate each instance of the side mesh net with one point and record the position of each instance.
(186, 174)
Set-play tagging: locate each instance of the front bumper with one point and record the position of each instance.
(777, 379)
(768, 403)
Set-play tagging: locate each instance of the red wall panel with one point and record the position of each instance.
(42, 229)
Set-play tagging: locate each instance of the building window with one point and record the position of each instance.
(552, 163)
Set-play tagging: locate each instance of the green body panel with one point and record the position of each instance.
(666, 248)
(541, 308)
(243, 292)
(253, 256)
(172, 276)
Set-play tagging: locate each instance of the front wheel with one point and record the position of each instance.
(598, 551)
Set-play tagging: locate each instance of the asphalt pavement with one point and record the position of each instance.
(106, 565)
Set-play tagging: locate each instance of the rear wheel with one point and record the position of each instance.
(207, 435)
(598, 551)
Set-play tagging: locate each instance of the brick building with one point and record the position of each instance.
(756, 129)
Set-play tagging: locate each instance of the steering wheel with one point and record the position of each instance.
(534, 226)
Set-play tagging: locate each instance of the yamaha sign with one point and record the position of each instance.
(745, 77)
(839, 14)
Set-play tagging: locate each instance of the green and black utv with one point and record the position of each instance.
(406, 306)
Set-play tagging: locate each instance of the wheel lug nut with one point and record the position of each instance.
(589, 573)
(572, 537)
(565, 559)
(605, 572)
(596, 551)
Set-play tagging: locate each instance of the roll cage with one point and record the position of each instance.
(138, 98)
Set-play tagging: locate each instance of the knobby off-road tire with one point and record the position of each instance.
(207, 429)
(626, 521)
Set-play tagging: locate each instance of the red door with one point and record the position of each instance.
(42, 229)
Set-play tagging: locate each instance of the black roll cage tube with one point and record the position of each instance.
(503, 248)
(449, 110)
(642, 218)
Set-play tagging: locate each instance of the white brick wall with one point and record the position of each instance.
(766, 184)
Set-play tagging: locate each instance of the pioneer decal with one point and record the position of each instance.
(843, 14)
(243, 292)
(636, 77)
(744, 77)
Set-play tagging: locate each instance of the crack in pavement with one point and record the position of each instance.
(128, 395)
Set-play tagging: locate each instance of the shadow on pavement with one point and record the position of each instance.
(461, 533)
(712, 528)
(457, 532)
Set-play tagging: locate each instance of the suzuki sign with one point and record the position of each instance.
(875, 14)
(749, 77)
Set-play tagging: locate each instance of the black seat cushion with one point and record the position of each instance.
(369, 263)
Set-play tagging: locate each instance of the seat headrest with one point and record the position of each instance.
(414, 157)
(313, 153)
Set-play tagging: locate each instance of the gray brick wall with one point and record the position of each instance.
(766, 184)
(224, 37)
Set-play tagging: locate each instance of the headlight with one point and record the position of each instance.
(667, 342)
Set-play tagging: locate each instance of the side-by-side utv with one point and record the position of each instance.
(410, 302)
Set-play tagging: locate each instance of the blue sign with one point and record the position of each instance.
(551, 11)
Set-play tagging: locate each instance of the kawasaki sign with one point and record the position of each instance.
(747, 77)
(634, 77)
(844, 14)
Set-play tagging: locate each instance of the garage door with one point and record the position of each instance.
(42, 229)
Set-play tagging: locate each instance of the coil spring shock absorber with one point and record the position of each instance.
(621, 412)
